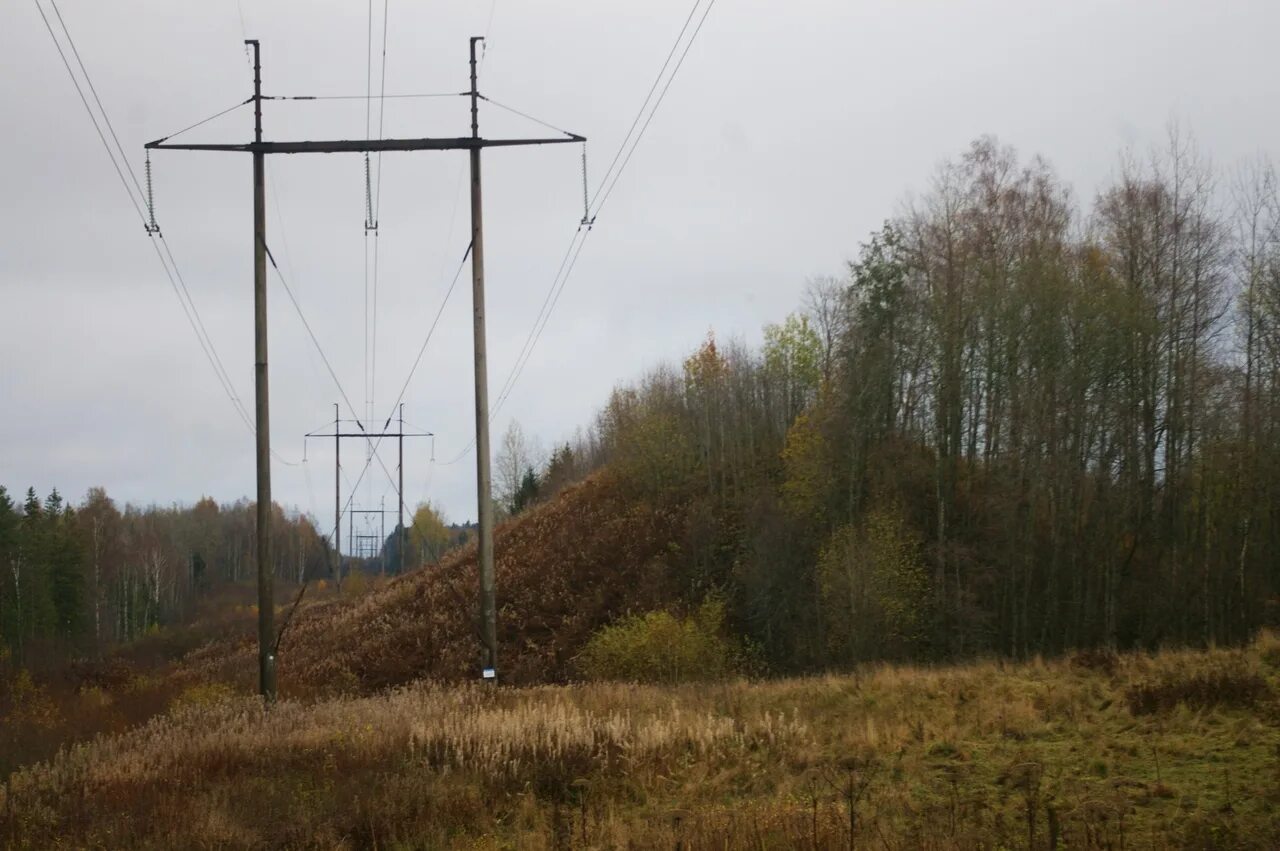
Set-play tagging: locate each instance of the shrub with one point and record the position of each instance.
(663, 648)
(1232, 683)
(203, 695)
(1098, 659)
(356, 584)
(1268, 645)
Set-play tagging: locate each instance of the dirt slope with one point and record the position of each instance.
(563, 569)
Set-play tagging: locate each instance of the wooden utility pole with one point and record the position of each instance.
(400, 497)
(262, 397)
(474, 143)
(337, 501)
(338, 436)
(484, 486)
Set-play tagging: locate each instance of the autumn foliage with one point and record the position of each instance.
(564, 568)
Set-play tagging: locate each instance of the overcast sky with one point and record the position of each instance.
(792, 131)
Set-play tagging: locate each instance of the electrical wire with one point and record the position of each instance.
(201, 331)
(644, 105)
(373, 453)
(519, 368)
(619, 163)
(307, 325)
(710, 5)
(377, 208)
(515, 111)
(204, 121)
(123, 181)
(94, 91)
(161, 247)
(423, 348)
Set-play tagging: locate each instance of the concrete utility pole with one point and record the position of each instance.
(474, 143)
(262, 396)
(484, 486)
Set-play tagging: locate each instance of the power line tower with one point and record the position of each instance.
(259, 149)
(368, 546)
(338, 436)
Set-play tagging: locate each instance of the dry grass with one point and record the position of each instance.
(564, 569)
(986, 755)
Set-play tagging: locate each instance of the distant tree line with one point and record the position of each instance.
(78, 580)
(1013, 426)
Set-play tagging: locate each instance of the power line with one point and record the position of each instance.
(616, 167)
(244, 102)
(204, 334)
(462, 264)
(89, 80)
(171, 269)
(656, 105)
(377, 207)
(579, 236)
(307, 325)
(656, 80)
(599, 206)
(368, 196)
(515, 111)
(320, 350)
(66, 64)
(193, 316)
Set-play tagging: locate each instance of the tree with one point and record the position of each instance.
(874, 589)
(515, 457)
(99, 522)
(428, 536)
(527, 494)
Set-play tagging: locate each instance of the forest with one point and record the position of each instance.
(1016, 424)
(76, 581)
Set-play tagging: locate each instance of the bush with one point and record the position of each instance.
(1101, 660)
(356, 584)
(659, 647)
(203, 695)
(1231, 684)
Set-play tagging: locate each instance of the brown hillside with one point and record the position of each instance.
(563, 569)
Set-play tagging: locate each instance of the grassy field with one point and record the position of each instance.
(1177, 750)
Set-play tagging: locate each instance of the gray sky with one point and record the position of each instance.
(792, 131)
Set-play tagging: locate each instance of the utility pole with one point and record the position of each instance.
(337, 501)
(338, 436)
(370, 545)
(484, 486)
(474, 143)
(266, 603)
(400, 497)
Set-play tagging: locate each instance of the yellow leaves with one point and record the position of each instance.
(428, 536)
(32, 704)
(705, 368)
(808, 462)
(202, 695)
(874, 587)
(793, 350)
(660, 647)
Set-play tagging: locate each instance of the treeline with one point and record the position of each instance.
(1013, 426)
(78, 580)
